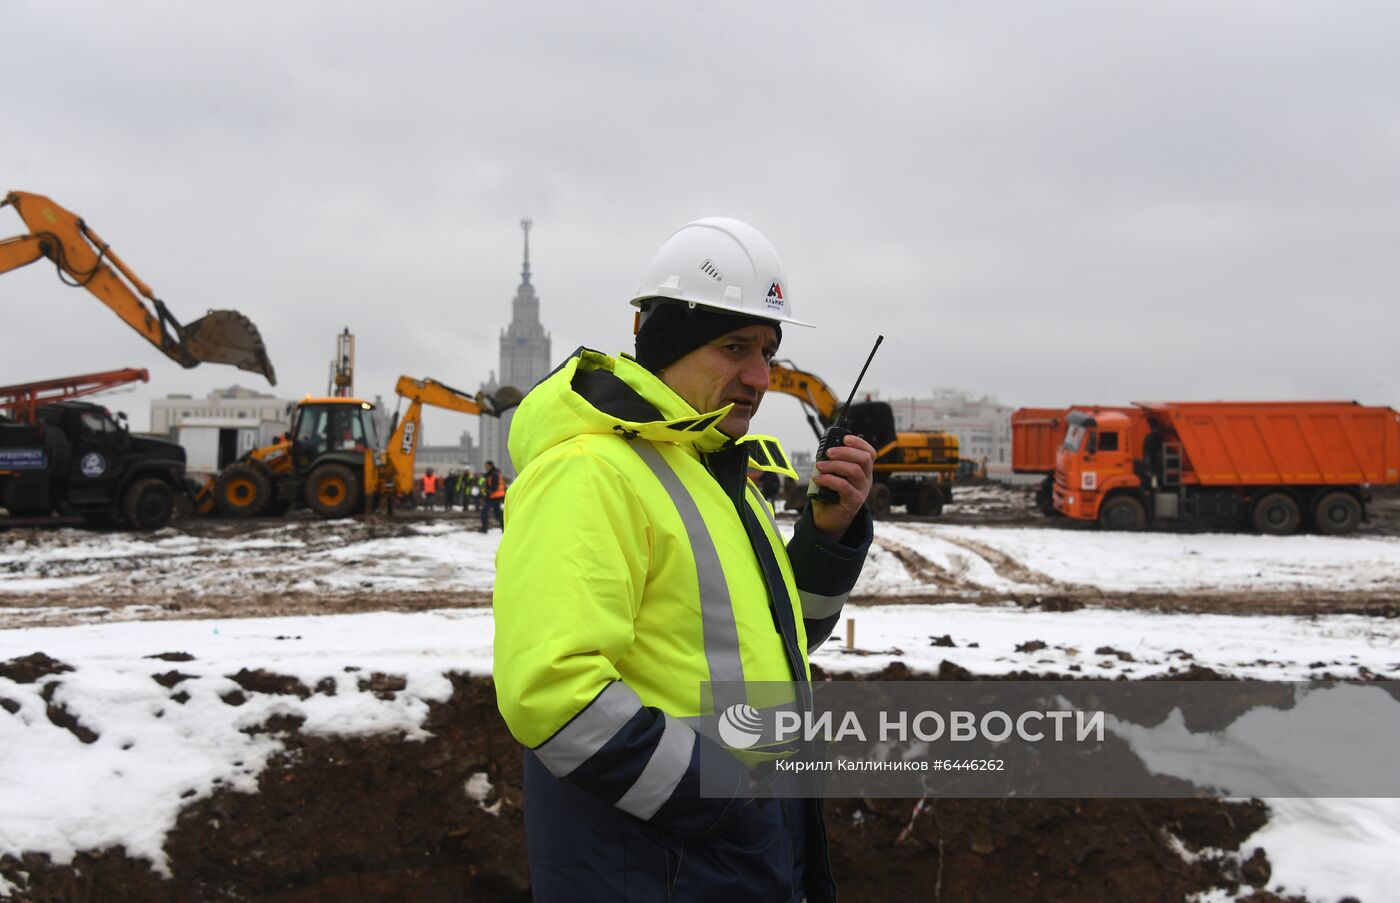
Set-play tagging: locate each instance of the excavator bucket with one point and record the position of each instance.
(506, 397)
(227, 337)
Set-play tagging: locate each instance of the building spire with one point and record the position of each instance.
(525, 226)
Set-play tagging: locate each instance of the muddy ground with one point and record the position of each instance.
(384, 818)
(279, 581)
(381, 818)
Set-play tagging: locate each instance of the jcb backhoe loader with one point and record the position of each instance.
(332, 460)
(82, 258)
(914, 468)
(391, 476)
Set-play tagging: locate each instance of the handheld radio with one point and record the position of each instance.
(837, 434)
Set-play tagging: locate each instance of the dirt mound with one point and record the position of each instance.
(384, 818)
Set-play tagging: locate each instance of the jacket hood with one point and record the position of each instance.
(594, 393)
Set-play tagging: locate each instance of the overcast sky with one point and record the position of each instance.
(1046, 202)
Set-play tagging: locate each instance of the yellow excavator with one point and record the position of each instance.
(914, 468)
(332, 460)
(393, 477)
(84, 260)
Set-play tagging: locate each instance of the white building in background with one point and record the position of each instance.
(524, 362)
(233, 403)
(446, 458)
(219, 428)
(981, 423)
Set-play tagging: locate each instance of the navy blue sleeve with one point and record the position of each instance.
(826, 570)
(648, 764)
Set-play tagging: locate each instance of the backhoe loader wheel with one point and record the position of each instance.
(149, 504)
(333, 490)
(242, 490)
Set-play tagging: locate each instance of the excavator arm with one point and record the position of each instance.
(83, 259)
(397, 464)
(440, 395)
(818, 401)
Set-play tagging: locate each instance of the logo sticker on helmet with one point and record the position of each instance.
(775, 295)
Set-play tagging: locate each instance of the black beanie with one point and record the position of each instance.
(673, 329)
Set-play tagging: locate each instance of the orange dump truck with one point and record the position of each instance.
(1276, 465)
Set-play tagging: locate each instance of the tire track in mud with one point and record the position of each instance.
(1003, 565)
(919, 567)
(1006, 567)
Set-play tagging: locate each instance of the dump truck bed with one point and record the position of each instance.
(1284, 443)
(1035, 434)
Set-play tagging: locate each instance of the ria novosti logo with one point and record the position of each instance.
(740, 726)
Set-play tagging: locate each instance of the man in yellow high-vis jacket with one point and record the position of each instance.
(638, 563)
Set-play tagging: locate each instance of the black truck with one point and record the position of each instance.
(76, 459)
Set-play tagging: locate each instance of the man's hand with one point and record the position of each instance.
(849, 472)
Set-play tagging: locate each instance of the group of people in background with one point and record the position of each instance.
(484, 492)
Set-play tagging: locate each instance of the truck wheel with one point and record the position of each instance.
(1276, 514)
(242, 490)
(1045, 497)
(149, 503)
(927, 499)
(880, 501)
(1337, 513)
(1122, 512)
(333, 490)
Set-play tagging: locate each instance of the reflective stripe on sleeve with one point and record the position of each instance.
(817, 606)
(664, 770)
(580, 739)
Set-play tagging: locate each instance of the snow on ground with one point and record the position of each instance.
(1331, 849)
(1125, 562)
(1018, 560)
(428, 556)
(908, 559)
(154, 754)
(985, 637)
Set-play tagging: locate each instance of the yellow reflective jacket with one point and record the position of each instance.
(637, 563)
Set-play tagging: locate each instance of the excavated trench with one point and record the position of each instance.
(383, 818)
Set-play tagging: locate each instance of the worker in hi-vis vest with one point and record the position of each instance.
(637, 563)
(493, 490)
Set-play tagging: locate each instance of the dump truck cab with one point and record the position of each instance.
(1096, 465)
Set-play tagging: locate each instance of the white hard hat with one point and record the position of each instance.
(720, 263)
